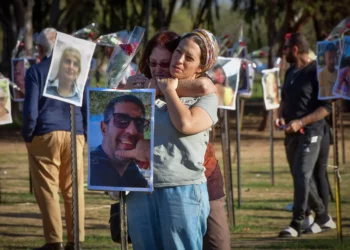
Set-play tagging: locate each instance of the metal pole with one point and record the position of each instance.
(336, 171)
(272, 171)
(226, 155)
(238, 142)
(342, 131)
(74, 177)
(147, 17)
(123, 221)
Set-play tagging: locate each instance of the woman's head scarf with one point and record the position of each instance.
(211, 46)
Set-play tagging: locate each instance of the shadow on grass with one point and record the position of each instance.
(19, 235)
(22, 215)
(20, 225)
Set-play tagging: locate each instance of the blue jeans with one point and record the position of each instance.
(169, 218)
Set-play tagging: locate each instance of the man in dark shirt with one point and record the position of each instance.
(121, 129)
(46, 131)
(301, 115)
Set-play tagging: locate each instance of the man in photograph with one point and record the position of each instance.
(122, 129)
(328, 75)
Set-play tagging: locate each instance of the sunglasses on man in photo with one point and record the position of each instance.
(123, 121)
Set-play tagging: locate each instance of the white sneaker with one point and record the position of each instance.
(313, 229)
(307, 222)
(330, 224)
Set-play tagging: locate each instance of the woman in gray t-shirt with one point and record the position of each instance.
(174, 215)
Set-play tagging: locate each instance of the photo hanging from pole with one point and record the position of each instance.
(5, 102)
(19, 66)
(120, 139)
(225, 75)
(342, 86)
(69, 69)
(271, 87)
(328, 54)
(246, 79)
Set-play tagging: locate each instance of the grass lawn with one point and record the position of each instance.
(258, 220)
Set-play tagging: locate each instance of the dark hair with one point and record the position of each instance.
(166, 39)
(109, 110)
(201, 45)
(216, 67)
(299, 40)
(330, 47)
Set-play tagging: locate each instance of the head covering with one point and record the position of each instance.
(211, 46)
(330, 47)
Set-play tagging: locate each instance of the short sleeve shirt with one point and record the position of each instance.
(178, 158)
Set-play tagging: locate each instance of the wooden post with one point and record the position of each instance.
(226, 155)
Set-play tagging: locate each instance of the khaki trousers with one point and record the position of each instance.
(50, 167)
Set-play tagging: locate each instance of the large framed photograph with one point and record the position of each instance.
(328, 54)
(69, 69)
(19, 67)
(225, 75)
(271, 87)
(342, 86)
(5, 102)
(120, 126)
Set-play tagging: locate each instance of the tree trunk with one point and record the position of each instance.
(28, 24)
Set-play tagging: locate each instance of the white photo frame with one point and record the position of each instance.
(5, 102)
(71, 59)
(271, 88)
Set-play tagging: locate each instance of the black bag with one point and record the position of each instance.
(114, 223)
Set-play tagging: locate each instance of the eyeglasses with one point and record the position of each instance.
(123, 121)
(2, 99)
(286, 46)
(154, 64)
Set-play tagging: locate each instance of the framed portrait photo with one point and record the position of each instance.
(341, 88)
(120, 139)
(5, 102)
(69, 69)
(328, 54)
(225, 75)
(271, 87)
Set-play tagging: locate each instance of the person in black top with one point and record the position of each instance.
(301, 115)
(121, 129)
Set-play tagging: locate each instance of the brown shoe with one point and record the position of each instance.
(70, 246)
(51, 246)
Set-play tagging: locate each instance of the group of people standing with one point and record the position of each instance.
(186, 210)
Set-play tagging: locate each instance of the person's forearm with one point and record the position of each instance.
(280, 110)
(315, 116)
(180, 115)
(196, 87)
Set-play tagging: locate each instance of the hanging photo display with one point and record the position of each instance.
(19, 68)
(328, 54)
(120, 122)
(271, 87)
(342, 86)
(69, 69)
(225, 75)
(5, 102)
(246, 79)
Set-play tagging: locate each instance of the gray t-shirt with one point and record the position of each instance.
(178, 158)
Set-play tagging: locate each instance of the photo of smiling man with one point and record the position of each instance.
(69, 69)
(123, 119)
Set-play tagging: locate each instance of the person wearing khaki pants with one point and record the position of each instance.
(47, 132)
(50, 167)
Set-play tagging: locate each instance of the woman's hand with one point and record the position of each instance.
(138, 81)
(167, 84)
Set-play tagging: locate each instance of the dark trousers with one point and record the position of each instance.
(302, 152)
(320, 171)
